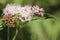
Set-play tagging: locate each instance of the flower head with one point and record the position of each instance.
(11, 9)
(8, 19)
(25, 13)
(41, 11)
(37, 10)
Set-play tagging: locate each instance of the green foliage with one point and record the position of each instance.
(44, 29)
(17, 22)
(1, 25)
(41, 29)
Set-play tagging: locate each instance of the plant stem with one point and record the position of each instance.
(15, 34)
(53, 16)
(8, 33)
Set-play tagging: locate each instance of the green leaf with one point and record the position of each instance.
(1, 25)
(44, 29)
(36, 30)
(17, 22)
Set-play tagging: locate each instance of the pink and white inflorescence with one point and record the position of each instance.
(25, 12)
(37, 10)
(12, 9)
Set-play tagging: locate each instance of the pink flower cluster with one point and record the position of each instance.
(37, 10)
(25, 12)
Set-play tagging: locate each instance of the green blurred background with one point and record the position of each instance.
(50, 6)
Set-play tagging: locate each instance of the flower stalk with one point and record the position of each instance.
(15, 34)
(8, 33)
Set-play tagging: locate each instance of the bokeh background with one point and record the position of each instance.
(50, 6)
